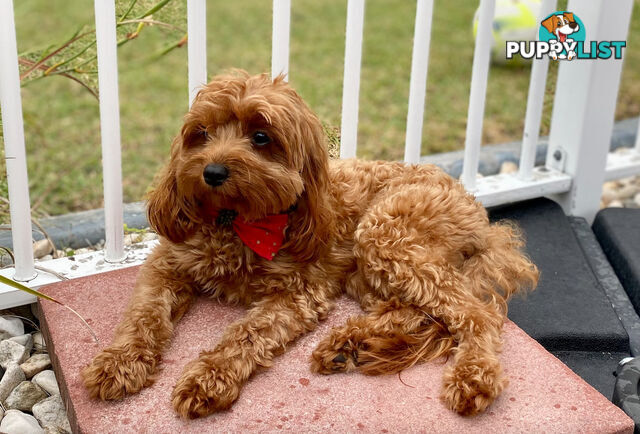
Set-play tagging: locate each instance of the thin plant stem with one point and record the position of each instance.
(50, 55)
(128, 11)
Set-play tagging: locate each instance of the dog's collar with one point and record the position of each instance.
(264, 236)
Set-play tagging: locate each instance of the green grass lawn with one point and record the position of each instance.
(62, 119)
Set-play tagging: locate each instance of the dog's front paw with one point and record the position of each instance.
(334, 354)
(469, 388)
(116, 372)
(571, 55)
(203, 389)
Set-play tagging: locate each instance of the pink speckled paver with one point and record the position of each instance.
(543, 395)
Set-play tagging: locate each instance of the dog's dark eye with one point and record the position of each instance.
(202, 134)
(260, 139)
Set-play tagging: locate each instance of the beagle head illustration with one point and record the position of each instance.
(561, 25)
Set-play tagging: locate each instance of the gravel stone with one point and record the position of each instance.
(627, 191)
(41, 248)
(47, 380)
(508, 167)
(608, 194)
(12, 352)
(25, 396)
(10, 327)
(38, 342)
(55, 430)
(16, 422)
(50, 412)
(623, 193)
(24, 340)
(616, 204)
(11, 378)
(36, 363)
(149, 236)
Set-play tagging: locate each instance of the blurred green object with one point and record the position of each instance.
(513, 20)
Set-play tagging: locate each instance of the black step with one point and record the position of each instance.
(569, 310)
(618, 231)
(569, 313)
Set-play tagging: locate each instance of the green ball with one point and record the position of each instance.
(513, 20)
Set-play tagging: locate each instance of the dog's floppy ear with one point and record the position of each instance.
(549, 23)
(569, 16)
(312, 222)
(167, 210)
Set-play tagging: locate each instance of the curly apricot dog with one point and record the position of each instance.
(251, 211)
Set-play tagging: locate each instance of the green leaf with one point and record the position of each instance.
(26, 289)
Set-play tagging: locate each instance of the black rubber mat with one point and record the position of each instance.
(568, 311)
(618, 231)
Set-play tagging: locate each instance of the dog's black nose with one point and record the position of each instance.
(573, 25)
(215, 174)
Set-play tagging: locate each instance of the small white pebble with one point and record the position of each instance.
(627, 192)
(149, 236)
(615, 204)
(38, 341)
(608, 196)
(41, 248)
(508, 167)
(627, 181)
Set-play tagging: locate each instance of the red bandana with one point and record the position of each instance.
(264, 236)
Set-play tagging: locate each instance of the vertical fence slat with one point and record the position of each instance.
(637, 147)
(584, 108)
(351, 81)
(196, 45)
(479, 75)
(110, 128)
(15, 155)
(280, 38)
(535, 101)
(418, 86)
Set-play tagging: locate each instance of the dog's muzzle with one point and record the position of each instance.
(215, 174)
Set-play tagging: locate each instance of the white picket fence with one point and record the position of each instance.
(577, 164)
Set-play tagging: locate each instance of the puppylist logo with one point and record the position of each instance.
(562, 37)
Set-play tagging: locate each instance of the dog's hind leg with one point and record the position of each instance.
(159, 300)
(429, 248)
(392, 336)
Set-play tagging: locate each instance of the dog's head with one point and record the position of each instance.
(561, 25)
(252, 145)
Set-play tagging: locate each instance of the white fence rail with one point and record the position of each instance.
(576, 164)
(107, 46)
(197, 45)
(535, 101)
(418, 85)
(15, 155)
(351, 81)
(478, 94)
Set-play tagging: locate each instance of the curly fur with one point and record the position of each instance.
(408, 242)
